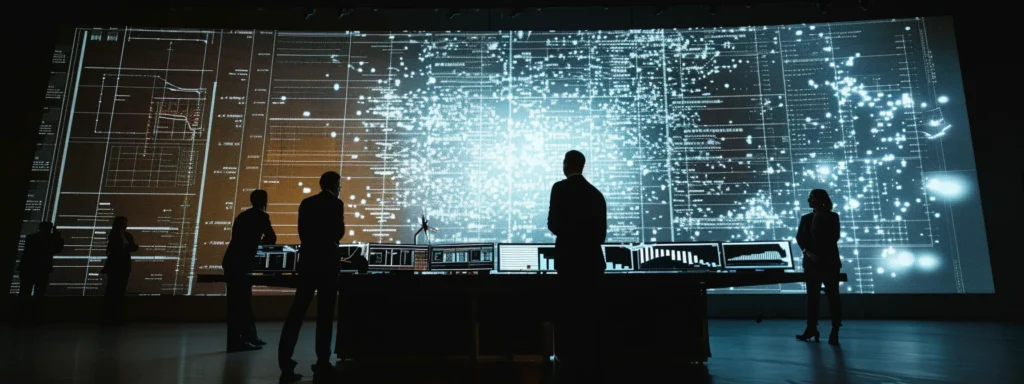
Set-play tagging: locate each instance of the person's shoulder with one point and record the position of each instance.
(559, 185)
(807, 216)
(260, 214)
(309, 200)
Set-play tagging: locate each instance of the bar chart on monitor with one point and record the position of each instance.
(678, 256)
(547, 257)
(618, 258)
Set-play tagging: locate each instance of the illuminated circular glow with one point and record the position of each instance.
(306, 190)
(334, 134)
(305, 113)
(945, 187)
(881, 270)
(928, 262)
(904, 259)
(283, 98)
(943, 99)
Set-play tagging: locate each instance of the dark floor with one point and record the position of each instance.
(744, 352)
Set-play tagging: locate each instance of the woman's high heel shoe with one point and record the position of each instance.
(833, 337)
(808, 334)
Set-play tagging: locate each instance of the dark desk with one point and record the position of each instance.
(509, 316)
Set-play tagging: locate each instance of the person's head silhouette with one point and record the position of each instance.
(120, 223)
(45, 226)
(258, 198)
(819, 200)
(330, 181)
(573, 163)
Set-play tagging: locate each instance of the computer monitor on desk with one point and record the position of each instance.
(462, 257)
(758, 255)
(618, 258)
(397, 257)
(353, 257)
(679, 257)
(275, 259)
(514, 258)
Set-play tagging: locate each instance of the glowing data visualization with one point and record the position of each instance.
(397, 257)
(679, 256)
(618, 258)
(759, 255)
(693, 135)
(277, 258)
(462, 257)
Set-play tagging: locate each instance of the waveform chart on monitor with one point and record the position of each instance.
(678, 256)
(348, 251)
(758, 255)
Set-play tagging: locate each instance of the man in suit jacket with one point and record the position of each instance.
(37, 264)
(578, 218)
(251, 228)
(321, 227)
(118, 267)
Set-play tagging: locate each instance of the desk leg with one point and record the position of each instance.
(339, 343)
(474, 323)
(706, 339)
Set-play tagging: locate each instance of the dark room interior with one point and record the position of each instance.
(164, 164)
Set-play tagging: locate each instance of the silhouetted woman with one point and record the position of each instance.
(818, 237)
(120, 245)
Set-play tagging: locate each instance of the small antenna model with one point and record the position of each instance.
(425, 229)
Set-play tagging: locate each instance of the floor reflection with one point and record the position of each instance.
(742, 352)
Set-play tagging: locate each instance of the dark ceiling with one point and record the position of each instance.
(487, 15)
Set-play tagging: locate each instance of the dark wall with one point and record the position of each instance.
(986, 40)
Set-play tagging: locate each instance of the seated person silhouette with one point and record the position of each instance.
(251, 228)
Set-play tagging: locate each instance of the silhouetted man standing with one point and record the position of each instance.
(251, 228)
(36, 266)
(578, 218)
(118, 268)
(321, 227)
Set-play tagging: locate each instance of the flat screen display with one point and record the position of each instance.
(693, 135)
(758, 255)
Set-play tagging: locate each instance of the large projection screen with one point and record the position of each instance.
(692, 134)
